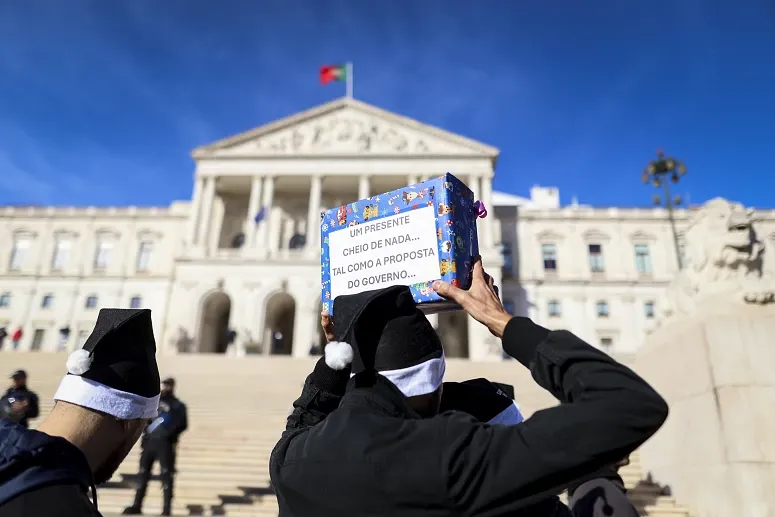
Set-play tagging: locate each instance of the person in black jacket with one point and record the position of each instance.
(160, 442)
(493, 403)
(19, 403)
(375, 443)
(110, 393)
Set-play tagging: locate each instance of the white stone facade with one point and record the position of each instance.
(210, 265)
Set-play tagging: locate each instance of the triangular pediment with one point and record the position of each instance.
(341, 128)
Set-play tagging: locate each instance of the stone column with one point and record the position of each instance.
(475, 186)
(486, 198)
(313, 214)
(303, 336)
(266, 204)
(364, 187)
(193, 215)
(207, 212)
(253, 208)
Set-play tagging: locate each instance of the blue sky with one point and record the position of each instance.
(101, 101)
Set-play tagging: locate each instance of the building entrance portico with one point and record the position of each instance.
(258, 198)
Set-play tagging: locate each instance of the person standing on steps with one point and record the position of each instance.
(160, 442)
(19, 403)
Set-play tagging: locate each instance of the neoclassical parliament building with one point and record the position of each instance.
(236, 269)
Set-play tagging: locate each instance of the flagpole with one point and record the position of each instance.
(349, 78)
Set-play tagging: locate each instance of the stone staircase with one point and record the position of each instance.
(237, 410)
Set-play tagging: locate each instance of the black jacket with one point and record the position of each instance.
(375, 456)
(169, 425)
(22, 394)
(42, 475)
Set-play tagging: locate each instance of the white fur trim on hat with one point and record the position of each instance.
(93, 395)
(79, 362)
(509, 416)
(339, 355)
(420, 379)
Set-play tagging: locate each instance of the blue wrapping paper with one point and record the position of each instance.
(410, 236)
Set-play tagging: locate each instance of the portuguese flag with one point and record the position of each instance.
(331, 73)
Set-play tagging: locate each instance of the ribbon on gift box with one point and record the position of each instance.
(480, 210)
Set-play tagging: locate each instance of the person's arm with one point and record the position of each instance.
(179, 421)
(321, 394)
(606, 412)
(323, 389)
(33, 409)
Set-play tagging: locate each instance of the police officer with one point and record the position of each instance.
(18, 403)
(159, 442)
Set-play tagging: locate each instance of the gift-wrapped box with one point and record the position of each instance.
(411, 236)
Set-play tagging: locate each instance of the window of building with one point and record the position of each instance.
(238, 241)
(508, 264)
(21, 247)
(47, 301)
(642, 258)
(554, 309)
(549, 257)
(649, 310)
(5, 300)
(61, 254)
(102, 256)
(297, 242)
(91, 301)
(596, 263)
(606, 344)
(144, 254)
(135, 302)
(37, 339)
(602, 309)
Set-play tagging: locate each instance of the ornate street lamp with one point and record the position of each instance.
(660, 173)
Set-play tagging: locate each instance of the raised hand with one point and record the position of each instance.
(328, 326)
(481, 301)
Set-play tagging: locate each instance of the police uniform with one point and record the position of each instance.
(20, 394)
(160, 443)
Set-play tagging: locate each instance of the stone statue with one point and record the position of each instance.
(725, 256)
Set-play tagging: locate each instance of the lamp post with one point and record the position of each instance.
(660, 173)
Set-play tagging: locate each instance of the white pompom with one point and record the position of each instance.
(79, 362)
(338, 355)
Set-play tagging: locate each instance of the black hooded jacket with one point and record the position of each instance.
(23, 394)
(373, 455)
(41, 475)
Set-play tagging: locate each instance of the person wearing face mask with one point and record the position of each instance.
(376, 442)
(160, 442)
(102, 405)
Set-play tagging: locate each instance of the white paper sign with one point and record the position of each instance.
(396, 250)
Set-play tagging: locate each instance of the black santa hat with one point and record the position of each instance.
(115, 372)
(487, 401)
(384, 331)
